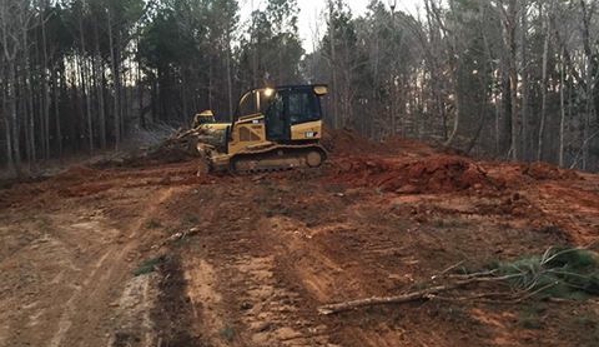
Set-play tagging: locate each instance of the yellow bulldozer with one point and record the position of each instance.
(272, 129)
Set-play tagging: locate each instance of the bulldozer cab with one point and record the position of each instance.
(282, 109)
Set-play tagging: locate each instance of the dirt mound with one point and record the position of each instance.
(436, 174)
(544, 171)
(515, 204)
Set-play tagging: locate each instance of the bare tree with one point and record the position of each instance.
(15, 18)
(509, 10)
(547, 30)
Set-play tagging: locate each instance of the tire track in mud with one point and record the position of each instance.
(237, 297)
(65, 323)
(257, 279)
(263, 284)
(325, 277)
(343, 263)
(81, 316)
(53, 263)
(272, 309)
(574, 209)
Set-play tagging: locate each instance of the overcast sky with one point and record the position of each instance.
(311, 16)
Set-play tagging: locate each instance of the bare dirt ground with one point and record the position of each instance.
(246, 261)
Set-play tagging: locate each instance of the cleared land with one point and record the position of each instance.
(147, 253)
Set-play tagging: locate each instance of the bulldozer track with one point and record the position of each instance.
(260, 171)
(300, 154)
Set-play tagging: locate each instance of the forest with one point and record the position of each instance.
(506, 79)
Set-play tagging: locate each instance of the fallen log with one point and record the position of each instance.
(424, 294)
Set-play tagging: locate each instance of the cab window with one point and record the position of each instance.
(248, 105)
(303, 107)
(254, 102)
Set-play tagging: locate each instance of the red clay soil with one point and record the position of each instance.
(544, 171)
(435, 174)
(246, 261)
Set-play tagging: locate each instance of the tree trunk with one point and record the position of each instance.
(9, 155)
(586, 131)
(99, 82)
(593, 57)
(14, 118)
(510, 25)
(524, 142)
(544, 88)
(30, 113)
(85, 86)
(45, 89)
(10, 162)
(120, 87)
(453, 68)
(116, 78)
(506, 98)
(27, 107)
(592, 92)
(562, 115)
(56, 91)
(229, 78)
(332, 66)
(140, 93)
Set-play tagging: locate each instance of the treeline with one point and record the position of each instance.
(513, 79)
(81, 75)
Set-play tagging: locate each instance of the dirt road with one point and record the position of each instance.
(246, 261)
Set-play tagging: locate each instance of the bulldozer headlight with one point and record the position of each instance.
(321, 90)
(268, 92)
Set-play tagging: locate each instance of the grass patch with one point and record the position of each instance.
(148, 266)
